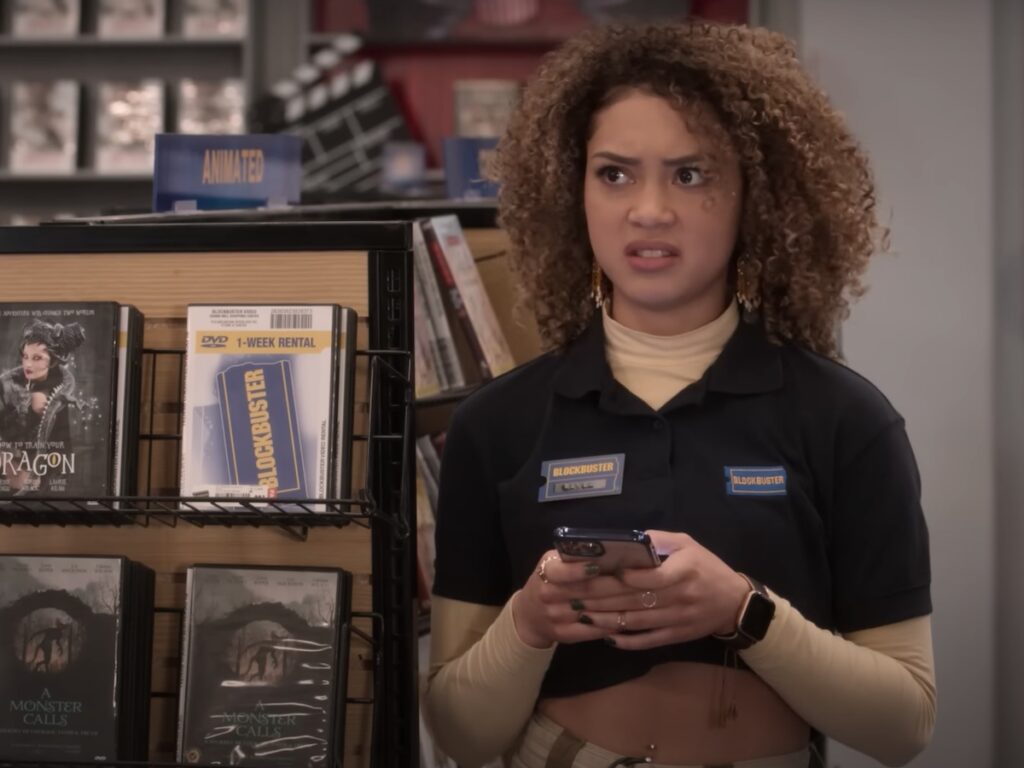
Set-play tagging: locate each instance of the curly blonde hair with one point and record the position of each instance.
(808, 223)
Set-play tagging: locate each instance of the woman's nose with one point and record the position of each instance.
(652, 207)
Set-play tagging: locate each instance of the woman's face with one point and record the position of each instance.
(663, 206)
(35, 362)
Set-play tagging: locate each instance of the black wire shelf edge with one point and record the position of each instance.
(335, 763)
(213, 510)
(219, 236)
(472, 213)
(86, 41)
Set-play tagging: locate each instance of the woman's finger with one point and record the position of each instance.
(628, 600)
(570, 624)
(552, 570)
(579, 633)
(585, 589)
(667, 542)
(634, 620)
(655, 638)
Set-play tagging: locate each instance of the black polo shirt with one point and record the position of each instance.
(787, 465)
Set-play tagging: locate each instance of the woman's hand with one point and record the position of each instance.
(692, 594)
(550, 608)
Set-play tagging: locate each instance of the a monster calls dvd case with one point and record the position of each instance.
(58, 398)
(264, 666)
(75, 638)
(259, 417)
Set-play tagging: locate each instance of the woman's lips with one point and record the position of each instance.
(651, 255)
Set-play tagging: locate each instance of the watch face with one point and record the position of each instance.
(757, 616)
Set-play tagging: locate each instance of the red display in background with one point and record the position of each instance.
(424, 46)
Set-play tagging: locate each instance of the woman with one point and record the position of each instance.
(690, 218)
(35, 398)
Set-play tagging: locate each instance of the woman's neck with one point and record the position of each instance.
(656, 367)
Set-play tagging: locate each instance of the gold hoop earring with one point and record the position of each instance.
(747, 293)
(597, 286)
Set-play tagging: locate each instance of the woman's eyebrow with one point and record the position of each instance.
(696, 157)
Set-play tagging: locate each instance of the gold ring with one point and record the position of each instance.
(648, 599)
(543, 565)
(621, 621)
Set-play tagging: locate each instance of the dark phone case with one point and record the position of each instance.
(621, 549)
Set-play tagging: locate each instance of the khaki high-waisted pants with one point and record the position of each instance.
(546, 744)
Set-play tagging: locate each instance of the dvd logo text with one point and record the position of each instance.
(213, 342)
(40, 465)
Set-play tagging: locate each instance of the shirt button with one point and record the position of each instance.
(658, 425)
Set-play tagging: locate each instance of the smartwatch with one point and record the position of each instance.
(754, 618)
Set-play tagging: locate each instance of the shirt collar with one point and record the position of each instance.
(749, 364)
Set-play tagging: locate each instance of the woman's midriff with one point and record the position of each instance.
(677, 708)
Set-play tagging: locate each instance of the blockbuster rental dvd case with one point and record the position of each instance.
(260, 385)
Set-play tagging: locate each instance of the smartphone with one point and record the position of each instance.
(613, 550)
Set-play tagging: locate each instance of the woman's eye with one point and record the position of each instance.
(691, 177)
(613, 175)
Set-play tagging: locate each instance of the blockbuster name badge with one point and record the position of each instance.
(582, 477)
(755, 481)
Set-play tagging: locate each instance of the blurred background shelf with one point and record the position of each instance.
(90, 58)
(92, 41)
(80, 177)
(494, 41)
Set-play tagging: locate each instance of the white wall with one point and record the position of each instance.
(915, 80)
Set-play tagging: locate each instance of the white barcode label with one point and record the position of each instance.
(237, 491)
(292, 320)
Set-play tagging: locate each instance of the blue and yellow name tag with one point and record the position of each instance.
(586, 476)
(755, 481)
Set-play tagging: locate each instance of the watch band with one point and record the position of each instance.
(754, 618)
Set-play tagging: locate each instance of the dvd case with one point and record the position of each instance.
(215, 18)
(440, 332)
(120, 19)
(45, 18)
(428, 368)
(264, 666)
(211, 106)
(484, 107)
(138, 657)
(58, 398)
(74, 658)
(259, 417)
(456, 269)
(126, 414)
(129, 115)
(44, 127)
(345, 403)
